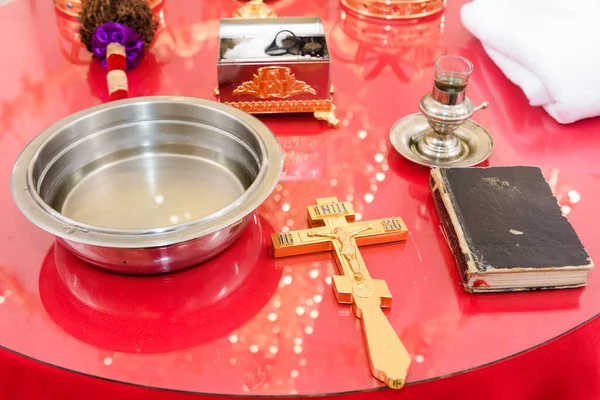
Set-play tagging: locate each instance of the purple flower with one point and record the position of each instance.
(113, 32)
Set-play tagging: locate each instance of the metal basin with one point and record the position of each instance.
(148, 185)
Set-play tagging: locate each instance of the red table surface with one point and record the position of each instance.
(244, 323)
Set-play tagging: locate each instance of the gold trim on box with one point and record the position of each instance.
(73, 7)
(329, 116)
(395, 9)
(274, 81)
(323, 110)
(281, 106)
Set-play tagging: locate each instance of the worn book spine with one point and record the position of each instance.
(452, 230)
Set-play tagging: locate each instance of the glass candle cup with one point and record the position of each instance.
(451, 77)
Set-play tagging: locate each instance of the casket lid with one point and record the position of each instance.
(248, 27)
(244, 40)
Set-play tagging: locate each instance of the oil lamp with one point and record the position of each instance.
(442, 134)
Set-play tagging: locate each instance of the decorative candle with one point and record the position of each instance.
(117, 32)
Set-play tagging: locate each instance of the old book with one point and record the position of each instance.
(506, 230)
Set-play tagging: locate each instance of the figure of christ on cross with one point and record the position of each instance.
(333, 228)
(348, 246)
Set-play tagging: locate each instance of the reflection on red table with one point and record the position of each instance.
(245, 323)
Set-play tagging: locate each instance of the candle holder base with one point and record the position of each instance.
(413, 137)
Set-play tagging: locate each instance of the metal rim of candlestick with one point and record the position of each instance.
(476, 142)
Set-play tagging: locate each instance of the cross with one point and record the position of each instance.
(333, 228)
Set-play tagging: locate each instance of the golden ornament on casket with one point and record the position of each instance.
(295, 81)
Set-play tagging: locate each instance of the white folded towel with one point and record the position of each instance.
(549, 48)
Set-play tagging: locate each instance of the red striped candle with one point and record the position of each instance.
(116, 77)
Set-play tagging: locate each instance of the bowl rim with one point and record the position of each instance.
(31, 204)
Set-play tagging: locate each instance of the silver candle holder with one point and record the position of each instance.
(442, 135)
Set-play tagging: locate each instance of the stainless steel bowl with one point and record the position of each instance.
(150, 184)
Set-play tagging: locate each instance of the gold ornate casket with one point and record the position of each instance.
(258, 83)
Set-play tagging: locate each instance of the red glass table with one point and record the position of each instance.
(245, 324)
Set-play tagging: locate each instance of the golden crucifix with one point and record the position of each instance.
(333, 227)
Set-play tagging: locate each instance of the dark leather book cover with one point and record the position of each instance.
(502, 224)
